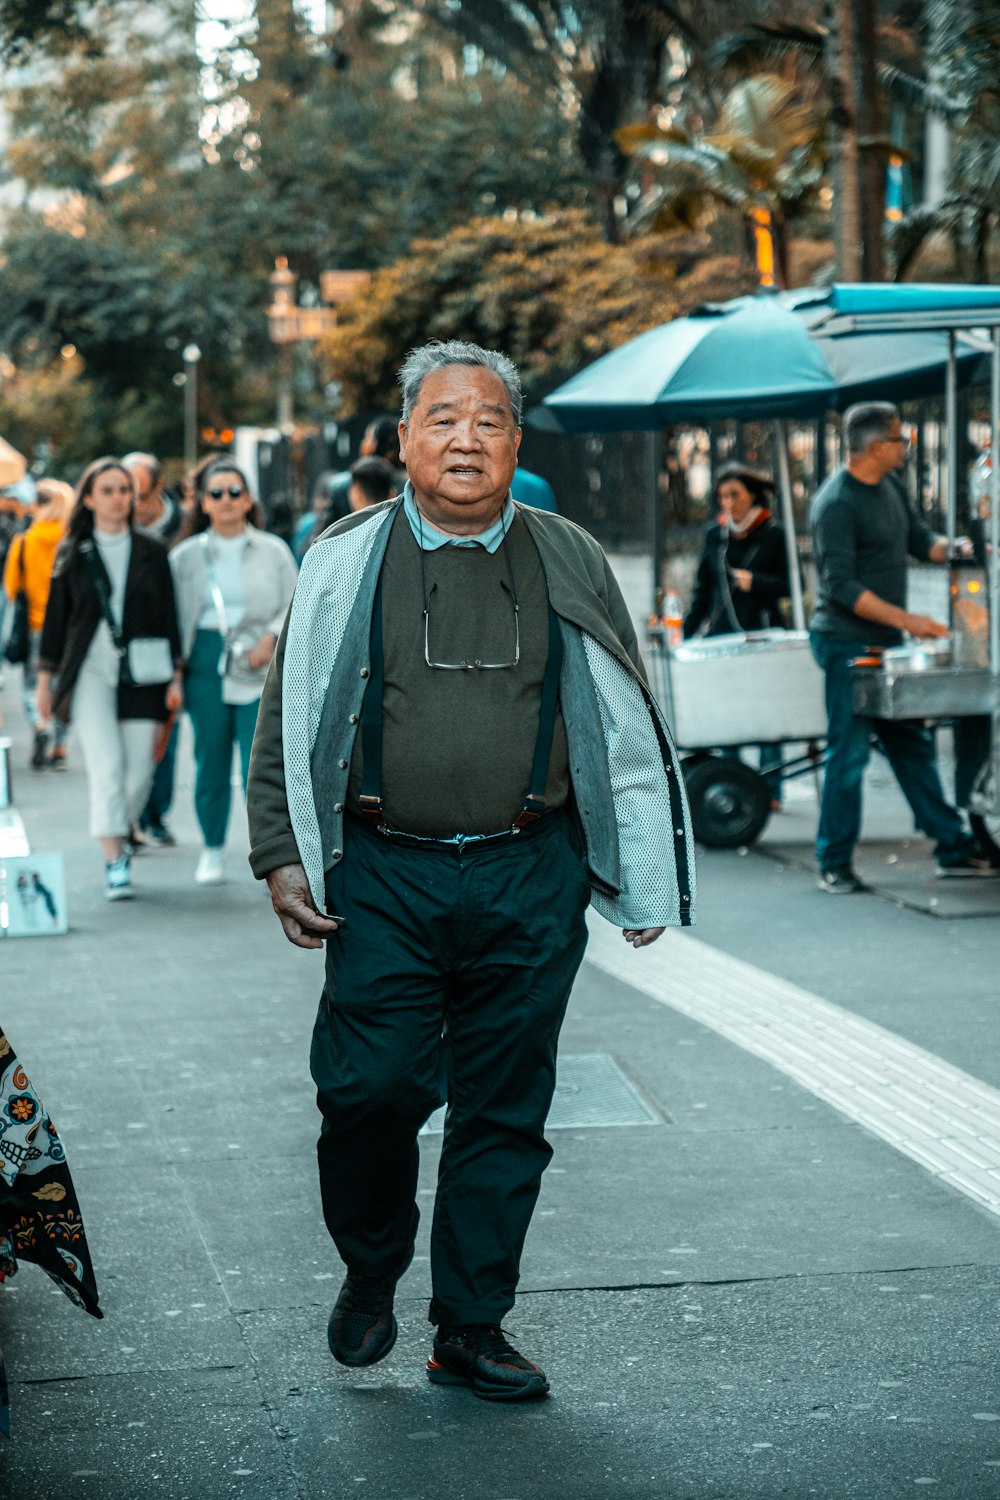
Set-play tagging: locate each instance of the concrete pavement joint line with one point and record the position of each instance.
(943, 1119)
(892, 898)
(678, 1286)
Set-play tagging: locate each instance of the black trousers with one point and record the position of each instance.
(450, 980)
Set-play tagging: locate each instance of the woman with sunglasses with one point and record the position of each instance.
(109, 655)
(234, 583)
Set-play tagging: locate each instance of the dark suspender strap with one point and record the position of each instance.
(370, 798)
(534, 803)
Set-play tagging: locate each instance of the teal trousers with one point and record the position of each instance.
(448, 983)
(217, 727)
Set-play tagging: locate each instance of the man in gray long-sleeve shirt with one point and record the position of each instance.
(863, 529)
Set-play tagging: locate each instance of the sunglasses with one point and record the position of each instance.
(234, 491)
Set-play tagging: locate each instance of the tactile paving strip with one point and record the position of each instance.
(591, 1091)
(934, 1113)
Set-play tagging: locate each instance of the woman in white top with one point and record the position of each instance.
(109, 654)
(234, 583)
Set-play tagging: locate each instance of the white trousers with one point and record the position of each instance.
(118, 753)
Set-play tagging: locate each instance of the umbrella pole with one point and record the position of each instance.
(788, 521)
(951, 430)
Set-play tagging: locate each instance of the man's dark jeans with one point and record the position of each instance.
(910, 750)
(450, 979)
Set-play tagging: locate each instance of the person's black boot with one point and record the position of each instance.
(479, 1356)
(362, 1327)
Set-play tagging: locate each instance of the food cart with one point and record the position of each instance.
(723, 693)
(963, 679)
(795, 355)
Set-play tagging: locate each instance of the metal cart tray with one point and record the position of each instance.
(940, 694)
(742, 689)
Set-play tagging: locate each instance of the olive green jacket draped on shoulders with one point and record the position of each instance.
(628, 790)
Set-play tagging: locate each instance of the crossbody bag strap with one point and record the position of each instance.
(213, 583)
(102, 589)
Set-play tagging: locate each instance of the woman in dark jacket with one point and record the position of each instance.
(109, 655)
(742, 572)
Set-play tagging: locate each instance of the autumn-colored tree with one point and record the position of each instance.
(548, 291)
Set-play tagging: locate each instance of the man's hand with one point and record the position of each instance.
(939, 549)
(175, 693)
(261, 654)
(641, 937)
(742, 579)
(923, 628)
(292, 900)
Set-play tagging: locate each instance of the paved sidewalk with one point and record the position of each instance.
(743, 1298)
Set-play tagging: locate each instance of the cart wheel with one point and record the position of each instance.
(729, 801)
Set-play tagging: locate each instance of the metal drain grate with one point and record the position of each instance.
(591, 1090)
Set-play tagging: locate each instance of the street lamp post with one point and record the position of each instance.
(282, 316)
(191, 356)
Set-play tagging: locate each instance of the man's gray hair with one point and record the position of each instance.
(438, 354)
(145, 461)
(868, 422)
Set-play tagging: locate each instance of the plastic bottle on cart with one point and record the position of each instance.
(673, 618)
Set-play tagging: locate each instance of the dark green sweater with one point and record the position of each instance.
(458, 746)
(861, 535)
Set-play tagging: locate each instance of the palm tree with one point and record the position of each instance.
(762, 158)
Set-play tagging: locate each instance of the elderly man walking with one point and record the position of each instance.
(456, 753)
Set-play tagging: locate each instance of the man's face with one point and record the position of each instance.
(147, 494)
(890, 451)
(460, 444)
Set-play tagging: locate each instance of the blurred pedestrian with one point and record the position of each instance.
(155, 512)
(381, 440)
(863, 528)
(531, 489)
(29, 565)
(311, 522)
(373, 481)
(158, 515)
(281, 520)
(233, 585)
(109, 656)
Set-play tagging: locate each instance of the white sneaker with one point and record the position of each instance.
(118, 879)
(209, 871)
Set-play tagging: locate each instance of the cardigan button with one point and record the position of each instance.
(342, 764)
(336, 854)
(338, 807)
(364, 671)
(352, 718)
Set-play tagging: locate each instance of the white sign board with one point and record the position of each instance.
(33, 896)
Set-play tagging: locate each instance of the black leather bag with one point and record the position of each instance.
(18, 644)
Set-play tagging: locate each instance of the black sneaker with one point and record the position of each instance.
(362, 1327)
(840, 882)
(967, 866)
(159, 835)
(39, 749)
(479, 1356)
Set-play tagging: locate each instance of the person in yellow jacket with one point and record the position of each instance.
(29, 566)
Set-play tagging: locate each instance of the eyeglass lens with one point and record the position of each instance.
(234, 491)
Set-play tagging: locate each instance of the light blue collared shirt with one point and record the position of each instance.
(430, 539)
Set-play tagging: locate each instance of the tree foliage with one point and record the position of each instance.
(548, 291)
(157, 197)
